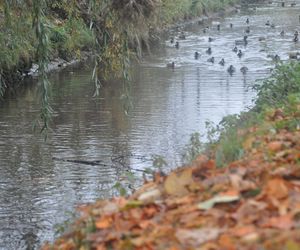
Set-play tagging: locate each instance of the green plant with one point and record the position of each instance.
(274, 91)
(193, 148)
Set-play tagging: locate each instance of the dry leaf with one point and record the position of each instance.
(176, 183)
(196, 237)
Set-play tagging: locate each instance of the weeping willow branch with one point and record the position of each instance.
(2, 85)
(126, 97)
(42, 54)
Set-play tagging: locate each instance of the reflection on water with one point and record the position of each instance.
(36, 191)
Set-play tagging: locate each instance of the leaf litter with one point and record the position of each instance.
(252, 203)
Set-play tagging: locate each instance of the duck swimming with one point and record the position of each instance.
(261, 38)
(210, 39)
(235, 49)
(231, 69)
(218, 27)
(244, 70)
(295, 39)
(171, 65)
(268, 23)
(208, 51)
(197, 55)
(247, 21)
(182, 36)
(172, 40)
(242, 42)
(240, 54)
(177, 45)
(247, 30)
(282, 33)
(222, 62)
(231, 25)
(276, 58)
(212, 60)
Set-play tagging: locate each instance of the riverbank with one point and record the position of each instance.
(73, 32)
(241, 192)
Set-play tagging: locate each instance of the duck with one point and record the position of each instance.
(268, 23)
(282, 4)
(182, 36)
(231, 25)
(208, 51)
(276, 58)
(171, 65)
(235, 49)
(222, 62)
(172, 40)
(218, 27)
(282, 33)
(240, 54)
(231, 69)
(273, 26)
(210, 39)
(242, 42)
(177, 45)
(244, 70)
(261, 38)
(212, 59)
(247, 30)
(197, 55)
(295, 39)
(247, 20)
(293, 4)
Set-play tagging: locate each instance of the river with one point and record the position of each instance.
(38, 191)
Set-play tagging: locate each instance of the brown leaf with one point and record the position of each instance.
(284, 222)
(196, 237)
(276, 188)
(226, 242)
(176, 183)
(275, 146)
(103, 222)
(242, 231)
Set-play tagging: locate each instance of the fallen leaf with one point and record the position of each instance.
(241, 231)
(103, 222)
(226, 242)
(282, 222)
(220, 198)
(276, 188)
(177, 182)
(274, 146)
(196, 237)
(150, 196)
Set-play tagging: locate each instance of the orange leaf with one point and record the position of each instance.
(281, 222)
(103, 222)
(274, 146)
(276, 188)
(226, 242)
(242, 231)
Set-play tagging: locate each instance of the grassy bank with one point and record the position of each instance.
(241, 192)
(104, 28)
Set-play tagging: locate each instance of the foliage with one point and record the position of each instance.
(193, 148)
(275, 90)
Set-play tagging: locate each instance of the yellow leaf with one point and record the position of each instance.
(176, 183)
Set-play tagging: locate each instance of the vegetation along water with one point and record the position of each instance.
(192, 74)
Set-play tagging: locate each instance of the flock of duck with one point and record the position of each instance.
(242, 42)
